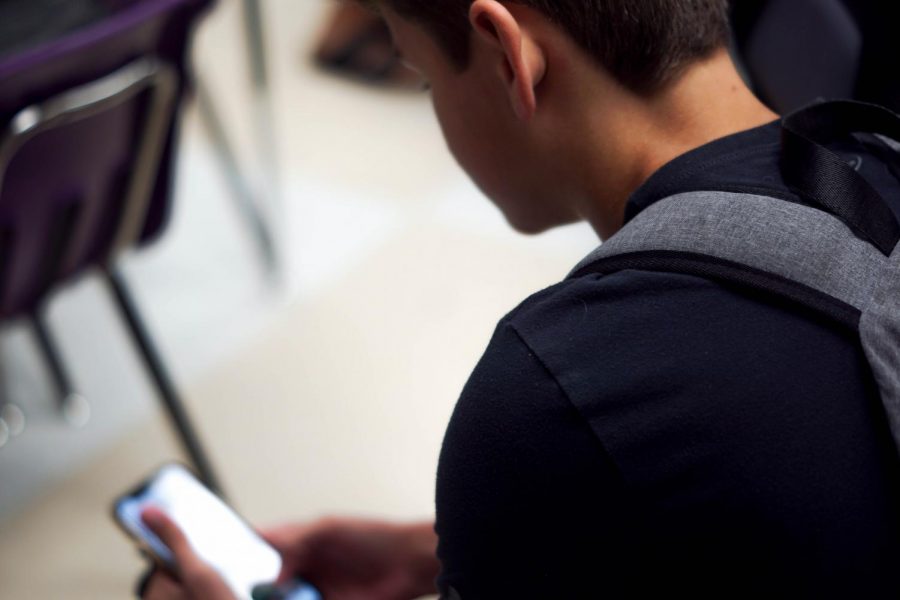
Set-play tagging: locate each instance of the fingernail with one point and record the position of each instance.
(151, 517)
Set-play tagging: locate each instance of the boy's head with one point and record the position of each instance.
(537, 97)
(643, 43)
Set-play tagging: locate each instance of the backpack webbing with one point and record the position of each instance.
(840, 259)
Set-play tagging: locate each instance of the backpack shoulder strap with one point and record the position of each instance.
(839, 257)
(820, 176)
(797, 252)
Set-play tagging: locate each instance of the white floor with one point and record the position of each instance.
(325, 391)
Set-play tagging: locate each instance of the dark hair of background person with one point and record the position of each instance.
(645, 44)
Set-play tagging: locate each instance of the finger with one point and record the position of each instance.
(197, 579)
(161, 586)
(171, 535)
(292, 542)
(284, 537)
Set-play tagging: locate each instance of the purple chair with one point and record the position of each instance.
(88, 126)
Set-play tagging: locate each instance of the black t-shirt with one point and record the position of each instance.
(659, 435)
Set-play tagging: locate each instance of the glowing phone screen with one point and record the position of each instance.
(217, 534)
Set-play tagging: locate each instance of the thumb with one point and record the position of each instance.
(292, 544)
(171, 535)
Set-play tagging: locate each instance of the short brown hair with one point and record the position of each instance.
(645, 44)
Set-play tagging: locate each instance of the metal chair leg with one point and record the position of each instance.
(254, 36)
(12, 418)
(242, 193)
(264, 113)
(161, 379)
(72, 405)
(5, 433)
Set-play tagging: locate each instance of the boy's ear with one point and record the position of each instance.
(521, 61)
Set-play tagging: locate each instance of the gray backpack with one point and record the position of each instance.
(837, 254)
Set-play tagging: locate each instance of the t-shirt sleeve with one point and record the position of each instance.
(520, 470)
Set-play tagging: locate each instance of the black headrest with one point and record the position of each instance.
(795, 51)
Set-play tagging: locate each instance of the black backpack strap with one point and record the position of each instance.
(826, 256)
(779, 248)
(836, 257)
(817, 174)
(6, 244)
(783, 248)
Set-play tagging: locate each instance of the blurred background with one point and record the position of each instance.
(319, 373)
(277, 244)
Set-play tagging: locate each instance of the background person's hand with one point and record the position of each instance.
(193, 579)
(353, 559)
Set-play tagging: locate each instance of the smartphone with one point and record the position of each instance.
(245, 561)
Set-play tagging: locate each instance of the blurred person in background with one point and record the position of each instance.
(356, 43)
(634, 435)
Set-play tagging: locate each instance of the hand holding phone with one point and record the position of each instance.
(196, 579)
(361, 558)
(210, 531)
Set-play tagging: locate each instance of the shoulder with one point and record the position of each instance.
(640, 320)
(606, 296)
(673, 371)
(521, 471)
(640, 313)
(650, 358)
(673, 392)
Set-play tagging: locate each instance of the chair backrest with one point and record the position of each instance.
(87, 128)
(797, 51)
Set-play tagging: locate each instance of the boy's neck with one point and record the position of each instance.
(708, 102)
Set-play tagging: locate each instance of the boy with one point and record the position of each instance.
(641, 433)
